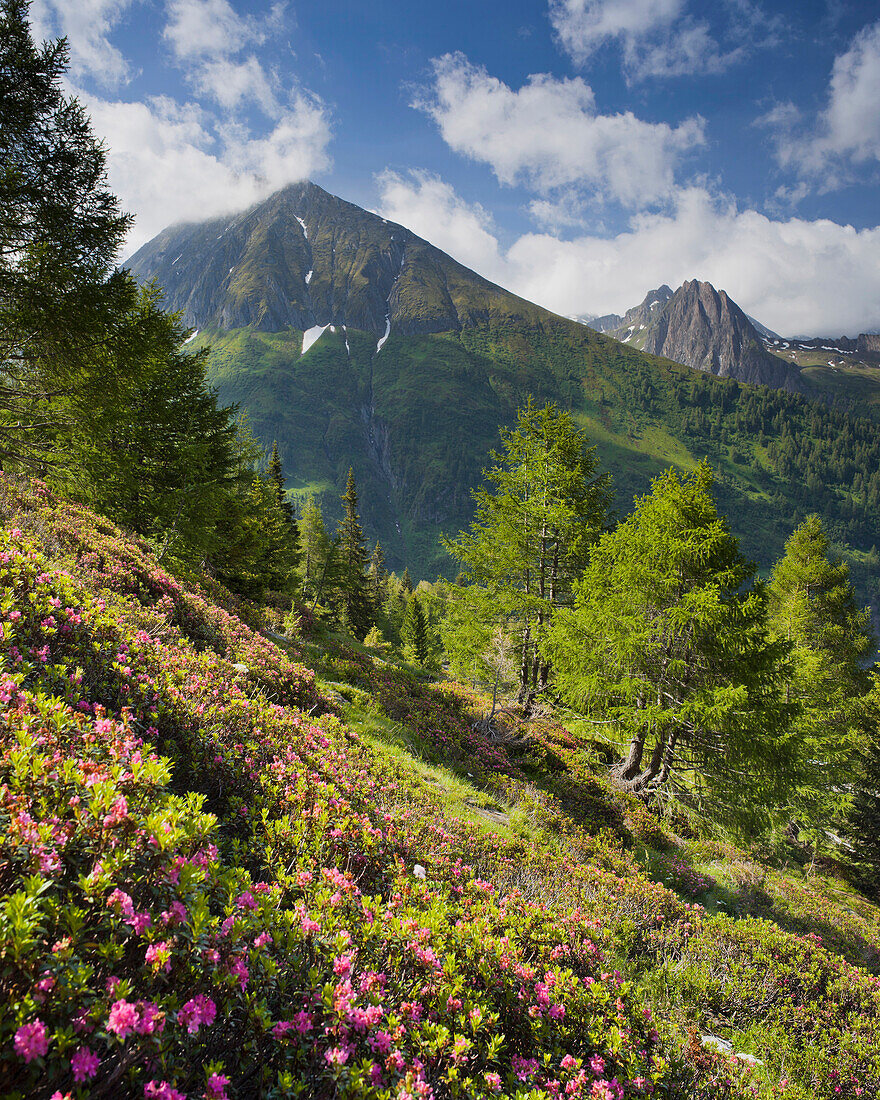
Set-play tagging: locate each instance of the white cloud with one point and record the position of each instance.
(585, 25)
(231, 83)
(206, 35)
(87, 24)
(549, 135)
(797, 276)
(206, 28)
(656, 37)
(171, 162)
(662, 37)
(846, 133)
(430, 207)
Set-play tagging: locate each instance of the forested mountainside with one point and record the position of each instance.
(598, 818)
(354, 343)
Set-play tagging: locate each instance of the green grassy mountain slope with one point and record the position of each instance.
(239, 861)
(416, 413)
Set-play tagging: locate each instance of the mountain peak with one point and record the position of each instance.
(701, 327)
(304, 259)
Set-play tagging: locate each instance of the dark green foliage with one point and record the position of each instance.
(60, 228)
(530, 539)
(378, 576)
(255, 552)
(276, 476)
(667, 640)
(152, 450)
(354, 595)
(406, 582)
(862, 825)
(414, 632)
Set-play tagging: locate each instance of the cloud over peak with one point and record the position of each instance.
(797, 276)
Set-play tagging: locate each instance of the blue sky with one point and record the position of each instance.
(580, 152)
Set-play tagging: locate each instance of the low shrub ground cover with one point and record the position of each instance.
(212, 886)
(208, 892)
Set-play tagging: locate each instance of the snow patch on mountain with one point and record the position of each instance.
(312, 335)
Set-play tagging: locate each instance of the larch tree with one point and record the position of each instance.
(667, 641)
(529, 540)
(812, 607)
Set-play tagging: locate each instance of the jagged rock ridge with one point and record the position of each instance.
(704, 328)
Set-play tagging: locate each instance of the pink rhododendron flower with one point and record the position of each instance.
(381, 1042)
(32, 1040)
(524, 1067)
(241, 972)
(303, 1022)
(200, 1010)
(161, 1090)
(152, 1018)
(493, 1081)
(216, 1087)
(159, 955)
(123, 1018)
(84, 1064)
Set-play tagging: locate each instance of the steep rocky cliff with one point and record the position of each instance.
(703, 328)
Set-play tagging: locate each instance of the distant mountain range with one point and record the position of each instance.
(353, 342)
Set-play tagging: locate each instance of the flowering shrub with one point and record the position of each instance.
(240, 917)
(211, 887)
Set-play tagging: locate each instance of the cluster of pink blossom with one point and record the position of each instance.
(280, 940)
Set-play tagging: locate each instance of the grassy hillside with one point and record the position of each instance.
(418, 418)
(240, 865)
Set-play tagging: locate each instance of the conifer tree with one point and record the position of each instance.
(378, 576)
(276, 476)
(530, 539)
(812, 607)
(315, 551)
(414, 633)
(862, 825)
(256, 553)
(406, 582)
(667, 640)
(60, 230)
(356, 605)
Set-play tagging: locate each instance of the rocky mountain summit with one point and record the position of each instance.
(635, 319)
(703, 328)
(305, 259)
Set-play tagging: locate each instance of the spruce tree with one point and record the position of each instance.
(276, 476)
(357, 607)
(406, 582)
(862, 825)
(414, 633)
(378, 576)
(256, 554)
